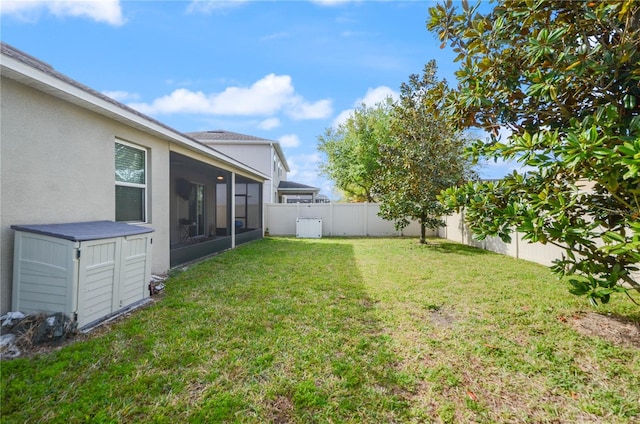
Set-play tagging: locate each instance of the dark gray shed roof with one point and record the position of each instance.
(82, 231)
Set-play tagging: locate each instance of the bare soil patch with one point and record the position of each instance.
(617, 330)
(441, 318)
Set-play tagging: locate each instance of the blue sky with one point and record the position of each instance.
(282, 70)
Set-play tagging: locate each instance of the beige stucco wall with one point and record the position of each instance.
(259, 157)
(57, 165)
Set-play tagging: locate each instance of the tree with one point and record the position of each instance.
(422, 157)
(563, 77)
(351, 150)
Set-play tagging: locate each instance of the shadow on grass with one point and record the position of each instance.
(282, 330)
(309, 336)
(457, 248)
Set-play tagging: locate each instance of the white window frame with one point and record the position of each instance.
(137, 185)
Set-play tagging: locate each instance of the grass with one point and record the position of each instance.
(340, 330)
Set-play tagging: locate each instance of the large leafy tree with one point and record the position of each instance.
(351, 150)
(564, 78)
(422, 157)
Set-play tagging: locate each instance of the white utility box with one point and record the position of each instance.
(309, 227)
(87, 270)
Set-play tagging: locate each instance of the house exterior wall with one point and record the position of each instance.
(57, 165)
(252, 155)
(261, 158)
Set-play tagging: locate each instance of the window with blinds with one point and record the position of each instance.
(131, 183)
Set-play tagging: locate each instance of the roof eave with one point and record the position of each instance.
(50, 84)
(265, 141)
(298, 190)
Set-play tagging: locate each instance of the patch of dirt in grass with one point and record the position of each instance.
(441, 318)
(195, 391)
(280, 410)
(619, 331)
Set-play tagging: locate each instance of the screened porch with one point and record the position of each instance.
(212, 209)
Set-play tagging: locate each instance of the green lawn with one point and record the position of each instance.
(341, 330)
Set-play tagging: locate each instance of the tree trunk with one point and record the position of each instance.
(423, 232)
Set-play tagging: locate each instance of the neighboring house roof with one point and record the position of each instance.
(290, 187)
(32, 72)
(211, 138)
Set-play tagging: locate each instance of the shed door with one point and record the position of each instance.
(98, 270)
(135, 269)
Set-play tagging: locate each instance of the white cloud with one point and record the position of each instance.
(377, 95)
(267, 96)
(107, 11)
(269, 124)
(208, 6)
(121, 96)
(304, 169)
(264, 97)
(289, 140)
(180, 101)
(299, 109)
(370, 99)
(342, 117)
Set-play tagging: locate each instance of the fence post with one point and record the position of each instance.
(330, 219)
(265, 218)
(366, 221)
(462, 226)
(446, 227)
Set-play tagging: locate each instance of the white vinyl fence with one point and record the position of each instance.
(544, 254)
(338, 219)
(539, 253)
(362, 220)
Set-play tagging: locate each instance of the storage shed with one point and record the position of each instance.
(87, 270)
